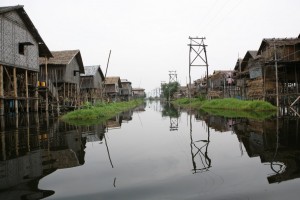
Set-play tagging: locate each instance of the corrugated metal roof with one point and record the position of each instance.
(90, 70)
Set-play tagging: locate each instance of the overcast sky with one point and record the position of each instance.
(149, 38)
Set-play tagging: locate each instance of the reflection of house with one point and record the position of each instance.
(260, 138)
(91, 83)
(114, 122)
(64, 72)
(126, 90)
(127, 115)
(93, 133)
(112, 87)
(37, 149)
(20, 49)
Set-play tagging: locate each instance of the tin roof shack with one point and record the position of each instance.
(138, 93)
(64, 70)
(285, 54)
(20, 49)
(91, 84)
(112, 87)
(126, 90)
(222, 84)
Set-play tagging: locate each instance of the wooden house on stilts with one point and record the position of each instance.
(20, 49)
(272, 73)
(112, 86)
(91, 84)
(64, 70)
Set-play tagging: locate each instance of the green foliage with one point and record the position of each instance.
(236, 104)
(240, 113)
(98, 112)
(168, 89)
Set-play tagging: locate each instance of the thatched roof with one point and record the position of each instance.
(113, 80)
(64, 58)
(43, 49)
(92, 70)
(138, 89)
(278, 42)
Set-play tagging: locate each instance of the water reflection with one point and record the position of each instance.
(148, 157)
(274, 141)
(33, 146)
(173, 113)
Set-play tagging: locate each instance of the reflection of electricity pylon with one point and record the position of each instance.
(197, 57)
(201, 151)
(173, 124)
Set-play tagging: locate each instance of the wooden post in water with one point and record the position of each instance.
(15, 89)
(46, 85)
(1, 91)
(26, 88)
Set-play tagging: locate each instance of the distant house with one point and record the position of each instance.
(112, 87)
(138, 92)
(126, 90)
(20, 49)
(221, 84)
(91, 83)
(64, 70)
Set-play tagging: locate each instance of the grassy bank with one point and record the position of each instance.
(230, 107)
(91, 114)
(226, 104)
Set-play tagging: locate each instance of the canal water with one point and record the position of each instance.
(155, 151)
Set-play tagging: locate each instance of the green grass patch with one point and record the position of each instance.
(240, 114)
(93, 114)
(230, 107)
(236, 104)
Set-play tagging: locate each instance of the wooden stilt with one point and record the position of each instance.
(47, 85)
(36, 95)
(2, 136)
(26, 88)
(1, 91)
(15, 89)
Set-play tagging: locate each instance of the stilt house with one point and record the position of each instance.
(91, 84)
(221, 84)
(138, 92)
(20, 49)
(276, 61)
(112, 87)
(64, 70)
(126, 90)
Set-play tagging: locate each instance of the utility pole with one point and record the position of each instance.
(197, 57)
(172, 79)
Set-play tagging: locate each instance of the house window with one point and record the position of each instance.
(22, 47)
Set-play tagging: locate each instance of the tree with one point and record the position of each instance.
(168, 89)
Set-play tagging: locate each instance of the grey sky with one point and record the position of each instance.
(148, 38)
